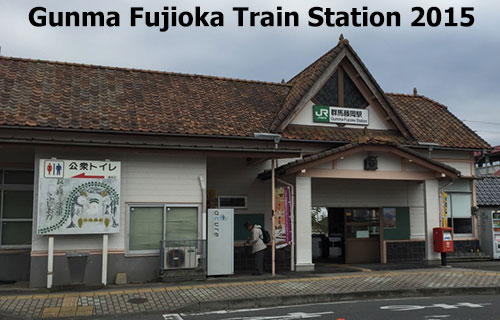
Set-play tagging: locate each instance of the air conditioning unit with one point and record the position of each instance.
(180, 258)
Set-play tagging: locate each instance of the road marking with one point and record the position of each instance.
(172, 316)
(438, 305)
(437, 317)
(289, 316)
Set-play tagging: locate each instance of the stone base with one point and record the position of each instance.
(304, 267)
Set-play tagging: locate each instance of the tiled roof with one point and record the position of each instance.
(431, 121)
(488, 191)
(71, 96)
(44, 94)
(303, 81)
(337, 134)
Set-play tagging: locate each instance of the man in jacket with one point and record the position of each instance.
(258, 246)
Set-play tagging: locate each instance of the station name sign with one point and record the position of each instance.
(329, 114)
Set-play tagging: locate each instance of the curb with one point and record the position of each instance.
(272, 301)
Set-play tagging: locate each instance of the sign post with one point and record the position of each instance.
(50, 262)
(273, 204)
(104, 259)
(77, 197)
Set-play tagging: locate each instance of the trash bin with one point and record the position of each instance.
(77, 263)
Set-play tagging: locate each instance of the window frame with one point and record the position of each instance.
(15, 187)
(165, 205)
(232, 197)
(451, 216)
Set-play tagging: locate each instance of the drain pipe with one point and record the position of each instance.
(203, 208)
(292, 222)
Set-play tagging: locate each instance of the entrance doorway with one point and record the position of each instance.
(362, 234)
(349, 235)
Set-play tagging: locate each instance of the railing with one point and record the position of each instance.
(183, 254)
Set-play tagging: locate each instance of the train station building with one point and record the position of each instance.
(380, 170)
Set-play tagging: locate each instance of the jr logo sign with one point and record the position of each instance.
(321, 114)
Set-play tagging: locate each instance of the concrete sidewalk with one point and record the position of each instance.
(245, 294)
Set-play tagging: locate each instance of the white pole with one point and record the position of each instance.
(50, 262)
(104, 259)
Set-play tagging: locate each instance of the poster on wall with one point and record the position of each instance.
(282, 231)
(78, 197)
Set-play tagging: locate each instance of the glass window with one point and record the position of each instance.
(17, 204)
(460, 218)
(461, 204)
(16, 233)
(146, 228)
(16, 207)
(18, 177)
(182, 223)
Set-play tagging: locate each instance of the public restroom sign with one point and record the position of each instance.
(328, 114)
(78, 197)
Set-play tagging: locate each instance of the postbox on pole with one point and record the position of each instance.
(443, 242)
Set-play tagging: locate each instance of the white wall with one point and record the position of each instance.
(386, 161)
(373, 193)
(238, 177)
(145, 178)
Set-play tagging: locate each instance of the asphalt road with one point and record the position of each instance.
(433, 308)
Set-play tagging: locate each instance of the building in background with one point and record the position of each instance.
(386, 167)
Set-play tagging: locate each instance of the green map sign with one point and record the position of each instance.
(329, 114)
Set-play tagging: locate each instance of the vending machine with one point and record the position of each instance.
(490, 233)
(220, 237)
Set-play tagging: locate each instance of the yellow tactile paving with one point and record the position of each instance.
(67, 312)
(8, 297)
(24, 297)
(49, 312)
(115, 292)
(144, 290)
(70, 301)
(72, 294)
(84, 311)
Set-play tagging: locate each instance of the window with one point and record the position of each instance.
(16, 207)
(149, 224)
(460, 218)
(237, 202)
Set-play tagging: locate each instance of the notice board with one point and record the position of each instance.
(78, 197)
(240, 232)
(401, 228)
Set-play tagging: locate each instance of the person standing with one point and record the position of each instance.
(258, 246)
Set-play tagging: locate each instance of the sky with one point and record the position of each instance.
(456, 66)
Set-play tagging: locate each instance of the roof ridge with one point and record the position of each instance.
(338, 45)
(442, 106)
(191, 75)
(411, 95)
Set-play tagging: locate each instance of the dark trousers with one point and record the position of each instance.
(259, 261)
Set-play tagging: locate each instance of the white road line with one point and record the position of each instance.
(172, 316)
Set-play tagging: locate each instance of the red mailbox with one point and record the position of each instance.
(443, 239)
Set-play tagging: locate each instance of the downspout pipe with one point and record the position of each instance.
(203, 207)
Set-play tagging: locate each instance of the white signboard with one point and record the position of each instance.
(78, 197)
(330, 114)
(348, 115)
